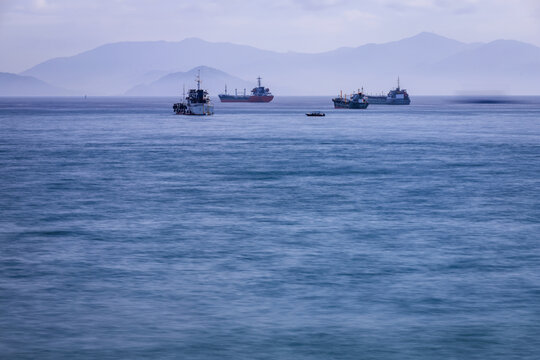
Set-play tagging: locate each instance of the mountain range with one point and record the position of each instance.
(427, 64)
(17, 85)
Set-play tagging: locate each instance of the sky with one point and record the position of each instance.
(32, 31)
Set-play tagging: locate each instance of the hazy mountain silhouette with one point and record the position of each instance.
(427, 63)
(504, 65)
(17, 85)
(212, 80)
(115, 68)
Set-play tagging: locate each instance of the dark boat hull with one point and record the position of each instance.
(340, 104)
(249, 99)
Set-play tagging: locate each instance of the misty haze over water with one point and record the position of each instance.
(428, 64)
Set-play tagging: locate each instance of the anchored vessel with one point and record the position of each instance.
(258, 94)
(356, 101)
(196, 103)
(396, 96)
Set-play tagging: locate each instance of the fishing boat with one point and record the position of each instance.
(197, 102)
(316, 113)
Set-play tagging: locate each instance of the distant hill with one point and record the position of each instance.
(113, 69)
(427, 64)
(503, 65)
(17, 85)
(212, 80)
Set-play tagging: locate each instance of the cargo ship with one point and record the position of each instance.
(356, 101)
(259, 94)
(196, 103)
(396, 96)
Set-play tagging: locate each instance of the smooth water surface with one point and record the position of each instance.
(396, 232)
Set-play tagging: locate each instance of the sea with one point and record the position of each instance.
(395, 232)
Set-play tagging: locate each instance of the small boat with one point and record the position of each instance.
(316, 113)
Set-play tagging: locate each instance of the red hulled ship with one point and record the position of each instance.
(259, 94)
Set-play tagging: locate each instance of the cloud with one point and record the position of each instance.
(433, 6)
(322, 4)
(40, 4)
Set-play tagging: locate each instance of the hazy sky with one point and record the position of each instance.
(32, 31)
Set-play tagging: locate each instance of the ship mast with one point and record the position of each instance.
(259, 80)
(198, 79)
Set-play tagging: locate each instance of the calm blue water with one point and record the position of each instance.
(259, 233)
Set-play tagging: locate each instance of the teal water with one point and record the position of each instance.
(407, 232)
